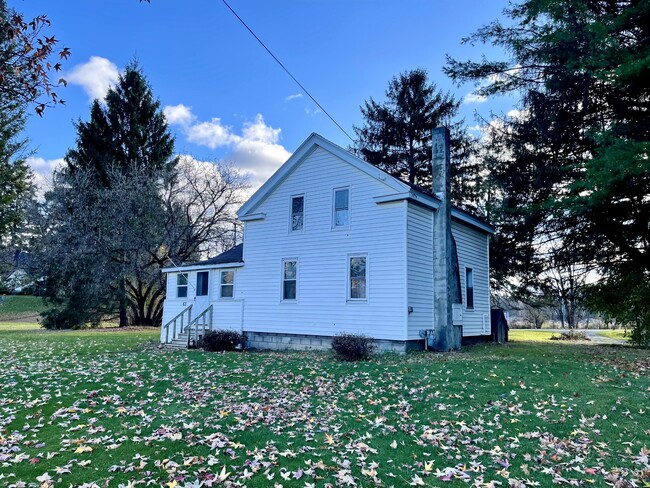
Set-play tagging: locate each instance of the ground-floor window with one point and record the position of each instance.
(227, 284)
(357, 277)
(469, 287)
(289, 279)
(181, 285)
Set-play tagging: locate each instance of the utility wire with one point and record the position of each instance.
(286, 70)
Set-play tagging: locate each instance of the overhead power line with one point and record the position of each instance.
(286, 70)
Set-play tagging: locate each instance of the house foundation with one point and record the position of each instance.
(299, 342)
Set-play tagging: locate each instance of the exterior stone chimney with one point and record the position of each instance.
(446, 279)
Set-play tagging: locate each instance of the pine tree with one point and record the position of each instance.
(572, 168)
(107, 211)
(396, 135)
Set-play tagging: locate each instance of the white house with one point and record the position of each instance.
(332, 244)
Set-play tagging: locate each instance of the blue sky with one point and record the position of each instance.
(225, 97)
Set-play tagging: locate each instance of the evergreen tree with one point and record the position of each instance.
(572, 167)
(128, 134)
(396, 135)
(108, 204)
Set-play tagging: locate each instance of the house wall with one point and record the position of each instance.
(226, 312)
(472, 248)
(322, 308)
(420, 269)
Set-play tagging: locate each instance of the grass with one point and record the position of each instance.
(529, 335)
(17, 307)
(111, 408)
(615, 334)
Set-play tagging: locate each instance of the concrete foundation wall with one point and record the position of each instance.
(300, 342)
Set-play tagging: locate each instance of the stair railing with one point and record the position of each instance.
(202, 320)
(180, 318)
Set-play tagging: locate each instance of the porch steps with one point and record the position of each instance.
(179, 342)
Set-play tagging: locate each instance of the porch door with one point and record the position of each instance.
(202, 298)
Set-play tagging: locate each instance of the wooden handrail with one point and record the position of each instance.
(181, 316)
(195, 322)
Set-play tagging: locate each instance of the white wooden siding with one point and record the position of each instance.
(321, 307)
(420, 269)
(473, 253)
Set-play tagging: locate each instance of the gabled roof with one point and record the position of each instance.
(230, 258)
(306, 148)
(401, 189)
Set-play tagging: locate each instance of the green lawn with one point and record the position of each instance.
(615, 334)
(18, 307)
(109, 407)
(529, 335)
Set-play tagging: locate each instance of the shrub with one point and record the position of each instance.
(223, 340)
(572, 335)
(352, 347)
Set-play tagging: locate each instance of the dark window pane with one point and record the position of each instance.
(181, 279)
(202, 284)
(182, 292)
(289, 290)
(227, 291)
(341, 199)
(469, 287)
(297, 212)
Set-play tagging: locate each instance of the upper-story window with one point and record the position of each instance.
(297, 213)
(341, 215)
(227, 284)
(469, 287)
(181, 285)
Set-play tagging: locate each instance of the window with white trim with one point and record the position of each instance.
(289, 279)
(227, 284)
(297, 223)
(358, 277)
(469, 287)
(341, 214)
(181, 285)
(202, 283)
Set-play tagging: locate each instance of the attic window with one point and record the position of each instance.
(297, 213)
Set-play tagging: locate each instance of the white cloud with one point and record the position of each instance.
(43, 169)
(212, 134)
(293, 97)
(474, 98)
(94, 76)
(256, 150)
(179, 114)
(517, 114)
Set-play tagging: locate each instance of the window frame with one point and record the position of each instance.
(185, 286)
(199, 289)
(302, 228)
(283, 280)
(469, 290)
(334, 192)
(349, 298)
(222, 284)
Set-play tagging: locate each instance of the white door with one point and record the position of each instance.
(202, 298)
